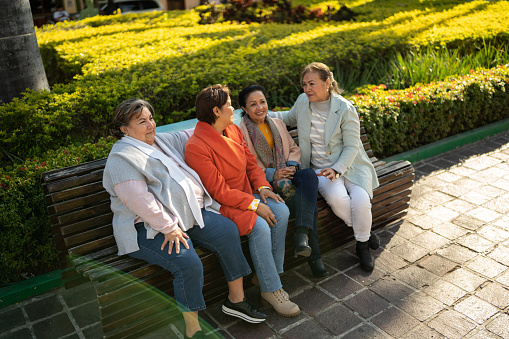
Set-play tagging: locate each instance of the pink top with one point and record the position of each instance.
(135, 196)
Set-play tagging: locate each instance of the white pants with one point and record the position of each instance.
(349, 202)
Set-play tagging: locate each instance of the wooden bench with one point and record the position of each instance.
(129, 290)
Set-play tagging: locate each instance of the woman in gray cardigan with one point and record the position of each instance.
(160, 209)
(329, 139)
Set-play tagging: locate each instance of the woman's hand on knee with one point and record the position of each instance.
(266, 193)
(329, 173)
(265, 212)
(174, 238)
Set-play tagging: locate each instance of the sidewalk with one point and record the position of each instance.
(442, 272)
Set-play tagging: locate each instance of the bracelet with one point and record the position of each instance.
(262, 187)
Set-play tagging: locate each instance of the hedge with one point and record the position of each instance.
(399, 121)
(395, 121)
(167, 58)
(26, 244)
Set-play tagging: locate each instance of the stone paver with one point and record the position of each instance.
(495, 294)
(441, 272)
(444, 291)
(437, 264)
(476, 309)
(486, 266)
(452, 324)
(421, 306)
(499, 325)
(465, 279)
(395, 322)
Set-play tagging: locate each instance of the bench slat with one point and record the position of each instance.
(71, 182)
(74, 204)
(84, 214)
(80, 191)
(88, 236)
(70, 171)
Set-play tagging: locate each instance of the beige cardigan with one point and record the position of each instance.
(290, 149)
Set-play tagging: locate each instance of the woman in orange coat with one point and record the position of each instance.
(228, 170)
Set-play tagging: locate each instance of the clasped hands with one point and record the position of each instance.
(285, 173)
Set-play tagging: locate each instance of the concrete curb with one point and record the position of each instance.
(450, 143)
(25, 289)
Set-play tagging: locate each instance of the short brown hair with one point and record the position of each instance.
(207, 99)
(124, 113)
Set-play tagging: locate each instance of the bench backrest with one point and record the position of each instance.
(79, 212)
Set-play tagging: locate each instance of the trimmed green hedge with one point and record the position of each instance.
(26, 243)
(399, 121)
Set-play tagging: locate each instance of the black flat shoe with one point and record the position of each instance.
(317, 268)
(362, 249)
(302, 245)
(374, 241)
(197, 335)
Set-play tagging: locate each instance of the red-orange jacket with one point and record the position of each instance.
(228, 171)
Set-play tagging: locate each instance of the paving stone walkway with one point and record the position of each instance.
(442, 272)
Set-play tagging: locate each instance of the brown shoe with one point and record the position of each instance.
(281, 303)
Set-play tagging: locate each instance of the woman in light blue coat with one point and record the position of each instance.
(329, 138)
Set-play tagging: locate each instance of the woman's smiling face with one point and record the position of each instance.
(256, 107)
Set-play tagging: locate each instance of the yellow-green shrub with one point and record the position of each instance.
(398, 121)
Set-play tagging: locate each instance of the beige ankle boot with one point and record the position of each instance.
(254, 281)
(281, 303)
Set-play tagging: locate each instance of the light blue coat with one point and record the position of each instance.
(342, 138)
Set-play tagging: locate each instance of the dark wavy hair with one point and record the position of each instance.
(207, 99)
(245, 93)
(125, 112)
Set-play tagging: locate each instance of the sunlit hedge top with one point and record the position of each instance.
(87, 47)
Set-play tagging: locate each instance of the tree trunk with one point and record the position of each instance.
(20, 59)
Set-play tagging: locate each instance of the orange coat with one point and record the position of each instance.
(228, 171)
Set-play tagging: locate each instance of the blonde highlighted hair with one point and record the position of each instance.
(324, 73)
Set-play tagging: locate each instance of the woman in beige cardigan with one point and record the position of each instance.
(329, 138)
(279, 157)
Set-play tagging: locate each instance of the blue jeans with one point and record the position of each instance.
(303, 206)
(267, 246)
(220, 235)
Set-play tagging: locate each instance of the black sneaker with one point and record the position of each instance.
(244, 311)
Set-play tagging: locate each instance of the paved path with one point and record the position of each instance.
(442, 272)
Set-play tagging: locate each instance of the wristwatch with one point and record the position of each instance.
(337, 173)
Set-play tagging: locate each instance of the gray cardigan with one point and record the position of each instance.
(342, 139)
(126, 162)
